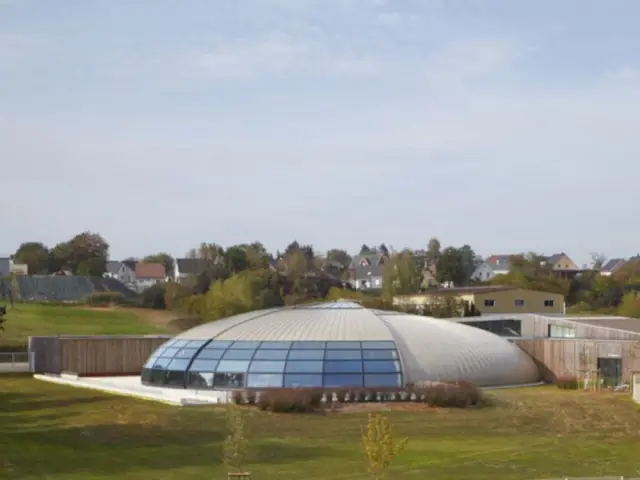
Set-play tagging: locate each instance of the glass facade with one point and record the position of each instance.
(201, 364)
(504, 328)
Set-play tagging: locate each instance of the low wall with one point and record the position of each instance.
(109, 355)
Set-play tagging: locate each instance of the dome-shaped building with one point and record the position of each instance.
(334, 345)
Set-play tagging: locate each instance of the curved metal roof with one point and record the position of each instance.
(430, 349)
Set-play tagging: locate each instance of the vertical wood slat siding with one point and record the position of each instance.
(557, 358)
(45, 354)
(106, 356)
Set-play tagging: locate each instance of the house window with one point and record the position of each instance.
(489, 302)
(518, 302)
(561, 331)
(549, 303)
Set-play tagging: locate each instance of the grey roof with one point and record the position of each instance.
(372, 268)
(499, 262)
(612, 264)
(113, 266)
(430, 349)
(194, 266)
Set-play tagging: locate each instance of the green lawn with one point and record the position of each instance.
(61, 433)
(24, 320)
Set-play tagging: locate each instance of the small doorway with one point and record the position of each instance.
(610, 371)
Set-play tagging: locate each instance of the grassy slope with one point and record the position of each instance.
(24, 320)
(60, 433)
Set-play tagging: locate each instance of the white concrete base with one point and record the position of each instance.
(131, 386)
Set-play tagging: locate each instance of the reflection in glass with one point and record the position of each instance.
(178, 365)
(228, 380)
(201, 365)
(186, 353)
(244, 345)
(170, 352)
(233, 366)
(381, 366)
(275, 345)
(210, 354)
(342, 367)
(266, 367)
(304, 367)
(343, 355)
(200, 380)
(343, 345)
(383, 380)
(302, 381)
(238, 355)
(264, 380)
(306, 355)
(270, 355)
(175, 378)
(379, 354)
(336, 381)
(308, 345)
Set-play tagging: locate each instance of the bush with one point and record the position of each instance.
(103, 299)
(568, 383)
(290, 401)
(153, 297)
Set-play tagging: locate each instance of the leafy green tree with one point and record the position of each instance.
(450, 266)
(35, 255)
(340, 257)
(86, 253)
(236, 259)
(433, 250)
(400, 276)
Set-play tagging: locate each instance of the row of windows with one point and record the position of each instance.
(221, 354)
(207, 380)
(270, 366)
(562, 331)
(270, 345)
(518, 302)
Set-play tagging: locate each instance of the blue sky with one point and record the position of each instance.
(507, 125)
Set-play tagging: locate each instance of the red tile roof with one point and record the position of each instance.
(150, 270)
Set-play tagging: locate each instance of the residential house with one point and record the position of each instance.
(149, 274)
(492, 266)
(185, 268)
(5, 266)
(561, 264)
(124, 272)
(490, 299)
(366, 271)
(19, 268)
(610, 266)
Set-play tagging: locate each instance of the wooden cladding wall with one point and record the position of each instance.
(579, 357)
(94, 356)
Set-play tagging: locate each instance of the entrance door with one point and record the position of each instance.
(610, 371)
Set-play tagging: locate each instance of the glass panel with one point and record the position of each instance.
(180, 343)
(175, 378)
(219, 344)
(344, 355)
(160, 363)
(262, 380)
(302, 381)
(145, 376)
(178, 365)
(150, 362)
(168, 343)
(238, 355)
(306, 355)
(334, 381)
(304, 367)
(381, 366)
(247, 345)
(379, 345)
(266, 367)
(228, 380)
(199, 380)
(270, 355)
(203, 366)
(343, 345)
(157, 376)
(383, 380)
(170, 352)
(158, 352)
(196, 343)
(380, 354)
(186, 353)
(233, 366)
(309, 345)
(275, 345)
(343, 367)
(210, 354)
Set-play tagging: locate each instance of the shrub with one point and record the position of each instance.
(448, 394)
(290, 400)
(103, 299)
(568, 383)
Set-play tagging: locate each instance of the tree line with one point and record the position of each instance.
(248, 276)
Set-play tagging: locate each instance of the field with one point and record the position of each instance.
(24, 320)
(61, 433)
